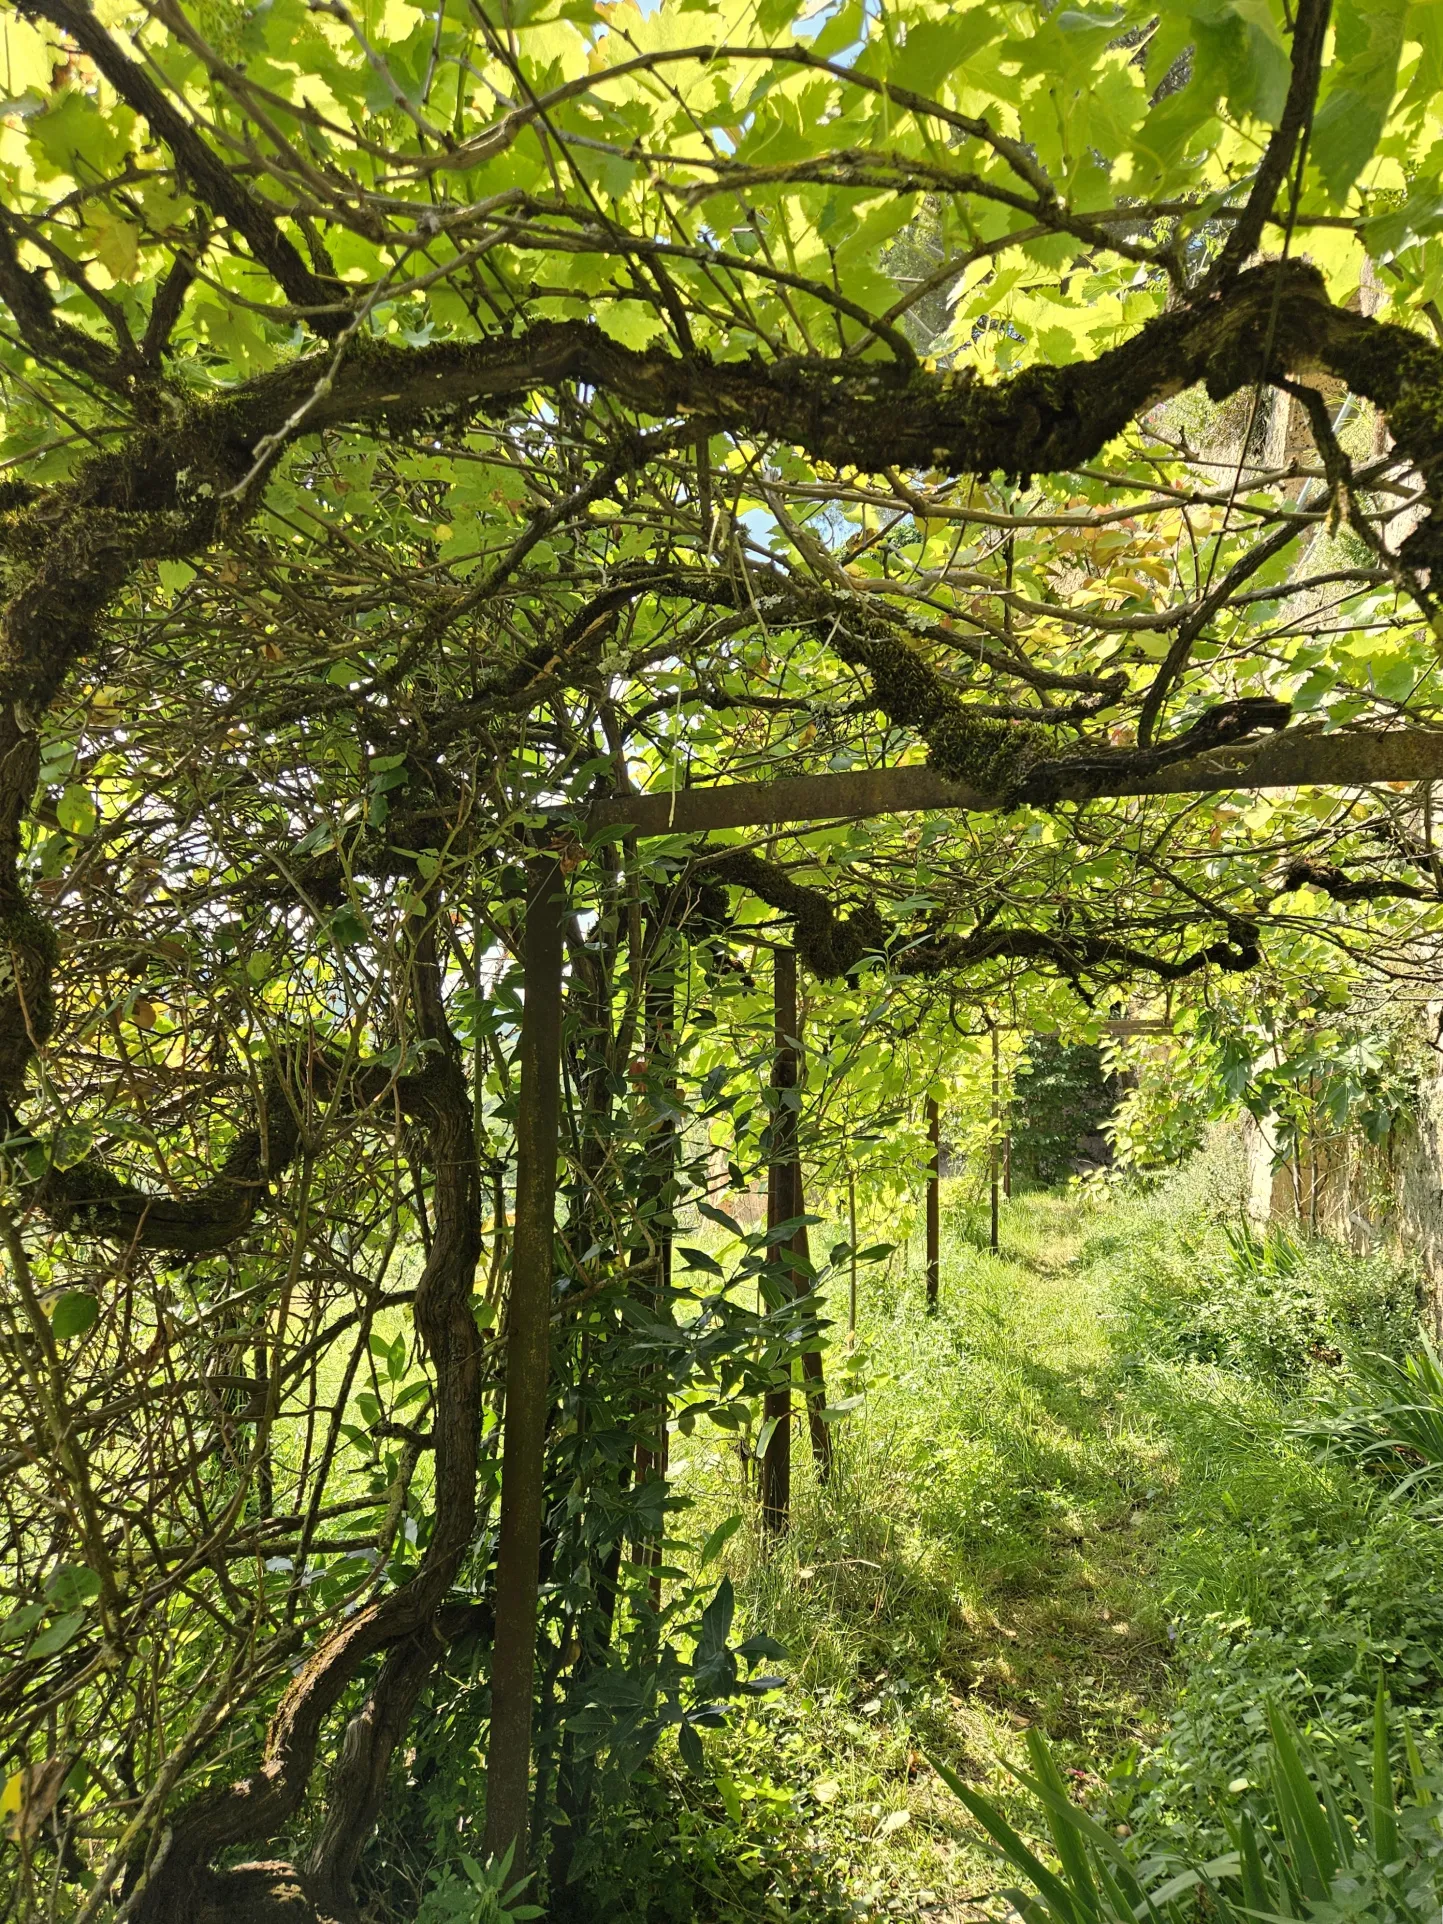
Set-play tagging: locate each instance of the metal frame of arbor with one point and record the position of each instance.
(1296, 757)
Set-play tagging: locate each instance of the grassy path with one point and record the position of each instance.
(1023, 1516)
(982, 1560)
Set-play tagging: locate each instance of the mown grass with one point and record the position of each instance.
(1047, 1511)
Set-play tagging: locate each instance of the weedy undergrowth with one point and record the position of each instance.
(1319, 1843)
(479, 1894)
(1388, 1419)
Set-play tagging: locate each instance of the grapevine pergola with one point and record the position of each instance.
(1356, 760)
(558, 485)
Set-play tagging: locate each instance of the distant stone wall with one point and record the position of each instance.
(1419, 1190)
(1367, 1196)
(1260, 1147)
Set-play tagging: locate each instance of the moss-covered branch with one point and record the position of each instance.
(834, 944)
(171, 489)
(89, 1199)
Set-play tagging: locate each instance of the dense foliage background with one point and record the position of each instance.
(432, 437)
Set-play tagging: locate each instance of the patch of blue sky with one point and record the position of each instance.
(813, 23)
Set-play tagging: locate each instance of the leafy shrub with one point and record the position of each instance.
(684, 1845)
(479, 1894)
(1062, 1093)
(1272, 1308)
(1285, 1579)
(1389, 1419)
(1318, 1842)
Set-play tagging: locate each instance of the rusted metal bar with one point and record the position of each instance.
(782, 1194)
(1298, 757)
(934, 1204)
(518, 1554)
(995, 1242)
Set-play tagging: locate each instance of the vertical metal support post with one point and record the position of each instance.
(265, 1469)
(934, 1204)
(813, 1373)
(513, 1663)
(783, 1189)
(995, 1244)
(852, 1245)
(660, 1185)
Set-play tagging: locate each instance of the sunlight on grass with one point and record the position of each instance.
(1029, 1524)
(973, 1565)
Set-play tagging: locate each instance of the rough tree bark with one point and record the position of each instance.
(179, 1885)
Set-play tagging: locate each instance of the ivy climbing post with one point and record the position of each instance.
(783, 1191)
(527, 1365)
(651, 1460)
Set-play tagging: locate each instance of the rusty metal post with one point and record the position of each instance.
(934, 1205)
(782, 1192)
(996, 1244)
(852, 1246)
(513, 1663)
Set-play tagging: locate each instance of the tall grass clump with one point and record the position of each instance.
(1081, 1500)
(1284, 1575)
(1195, 1282)
(1313, 1841)
(1387, 1420)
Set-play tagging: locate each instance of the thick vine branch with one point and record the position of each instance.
(181, 1887)
(163, 494)
(1339, 886)
(832, 944)
(89, 1199)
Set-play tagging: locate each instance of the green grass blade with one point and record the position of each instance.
(1304, 1820)
(1144, 1907)
(1069, 1838)
(1383, 1811)
(1059, 1899)
(1418, 1775)
(1259, 1893)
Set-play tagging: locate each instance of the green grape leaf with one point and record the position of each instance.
(75, 1313)
(50, 1641)
(1354, 109)
(76, 811)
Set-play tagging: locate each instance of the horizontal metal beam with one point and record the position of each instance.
(791, 798)
(1297, 758)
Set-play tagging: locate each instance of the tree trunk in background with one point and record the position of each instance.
(527, 1362)
(934, 1205)
(783, 1188)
